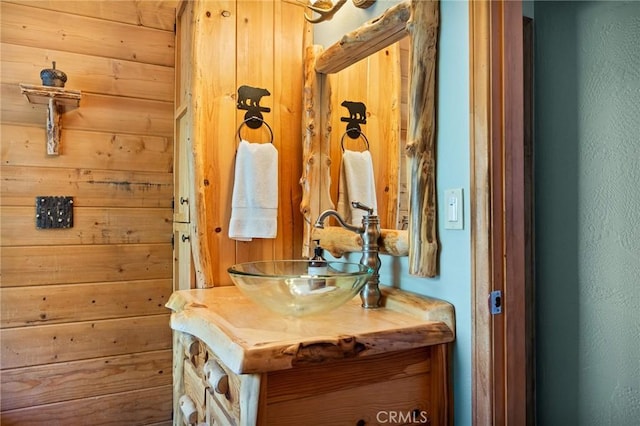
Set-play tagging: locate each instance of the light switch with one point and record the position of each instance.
(453, 205)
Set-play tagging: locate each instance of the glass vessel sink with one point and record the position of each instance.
(287, 288)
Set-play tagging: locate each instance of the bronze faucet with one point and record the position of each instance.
(370, 232)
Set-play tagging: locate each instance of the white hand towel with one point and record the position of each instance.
(357, 183)
(254, 206)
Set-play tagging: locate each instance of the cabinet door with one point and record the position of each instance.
(183, 268)
(183, 113)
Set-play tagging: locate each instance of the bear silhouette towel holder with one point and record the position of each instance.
(249, 100)
(357, 116)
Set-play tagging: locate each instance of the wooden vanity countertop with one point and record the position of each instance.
(249, 338)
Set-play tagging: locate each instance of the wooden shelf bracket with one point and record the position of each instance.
(58, 100)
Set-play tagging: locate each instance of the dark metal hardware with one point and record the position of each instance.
(357, 116)
(495, 302)
(249, 100)
(54, 212)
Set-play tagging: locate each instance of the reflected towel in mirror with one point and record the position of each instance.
(254, 204)
(357, 183)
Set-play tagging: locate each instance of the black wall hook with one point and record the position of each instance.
(357, 116)
(249, 100)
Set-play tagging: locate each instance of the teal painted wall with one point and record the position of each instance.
(587, 155)
(454, 282)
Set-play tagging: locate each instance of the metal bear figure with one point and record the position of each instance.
(249, 97)
(357, 111)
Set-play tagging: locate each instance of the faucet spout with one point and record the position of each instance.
(325, 214)
(370, 233)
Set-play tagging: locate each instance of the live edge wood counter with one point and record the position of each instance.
(237, 363)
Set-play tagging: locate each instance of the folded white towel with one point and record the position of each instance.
(254, 206)
(357, 183)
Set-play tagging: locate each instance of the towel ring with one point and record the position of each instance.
(244, 122)
(360, 134)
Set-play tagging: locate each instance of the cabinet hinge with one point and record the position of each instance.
(495, 302)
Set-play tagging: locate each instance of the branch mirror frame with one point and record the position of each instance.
(419, 19)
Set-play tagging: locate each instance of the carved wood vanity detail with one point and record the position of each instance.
(236, 363)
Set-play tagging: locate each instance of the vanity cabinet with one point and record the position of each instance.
(237, 364)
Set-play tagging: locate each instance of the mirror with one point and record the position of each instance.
(419, 19)
(381, 127)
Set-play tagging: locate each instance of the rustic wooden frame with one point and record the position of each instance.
(419, 20)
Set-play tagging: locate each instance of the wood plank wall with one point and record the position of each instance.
(258, 44)
(84, 331)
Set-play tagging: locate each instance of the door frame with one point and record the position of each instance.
(501, 361)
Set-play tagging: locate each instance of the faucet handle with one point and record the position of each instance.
(359, 205)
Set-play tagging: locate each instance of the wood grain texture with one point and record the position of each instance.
(498, 228)
(371, 37)
(46, 344)
(96, 113)
(316, 172)
(34, 265)
(117, 152)
(263, 44)
(54, 304)
(214, 33)
(144, 407)
(158, 14)
(423, 243)
(250, 339)
(85, 378)
(338, 241)
(90, 187)
(414, 382)
(113, 270)
(33, 27)
(90, 226)
(91, 74)
(288, 85)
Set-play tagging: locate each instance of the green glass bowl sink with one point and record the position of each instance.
(285, 286)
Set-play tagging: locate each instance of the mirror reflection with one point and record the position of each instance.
(378, 82)
(419, 19)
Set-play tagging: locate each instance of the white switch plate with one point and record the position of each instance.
(453, 209)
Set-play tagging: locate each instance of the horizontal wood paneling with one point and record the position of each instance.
(82, 302)
(133, 408)
(87, 73)
(24, 266)
(90, 226)
(33, 27)
(85, 334)
(45, 344)
(98, 113)
(87, 378)
(148, 13)
(90, 188)
(24, 146)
